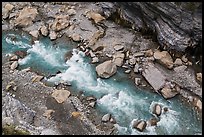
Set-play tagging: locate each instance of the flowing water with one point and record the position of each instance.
(117, 95)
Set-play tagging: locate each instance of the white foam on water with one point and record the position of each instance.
(20, 44)
(24, 60)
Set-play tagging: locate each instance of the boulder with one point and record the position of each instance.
(112, 120)
(92, 104)
(164, 58)
(9, 6)
(95, 16)
(71, 12)
(118, 58)
(26, 16)
(106, 118)
(76, 37)
(14, 65)
(95, 60)
(168, 92)
(137, 81)
(157, 110)
(37, 78)
(199, 77)
(60, 23)
(44, 30)
(60, 95)
(136, 68)
(34, 33)
(53, 35)
(140, 125)
(13, 58)
(118, 47)
(106, 69)
(180, 68)
(178, 62)
(199, 104)
(128, 71)
(132, 61)
(153, 121)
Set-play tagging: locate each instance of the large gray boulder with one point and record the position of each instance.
(106, 69)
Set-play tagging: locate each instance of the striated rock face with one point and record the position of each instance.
(178, 25)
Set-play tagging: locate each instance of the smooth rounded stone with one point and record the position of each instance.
(71, 12)
(106, 69)
(34, 33)
(128, 71)
(14, 65)
(168, 93)
(157, 109)
(48, 113)
(180, 68)
(61, 95)
(26, 16)
(149, 53)
(9, 6)
(178, 62)
(95, 16)
(140, 125)
(7, 121)
(13, 58)
(137, 81)
(44, 30)
(106, 118)
(199, 76)
(184, 59)
(164, 58)
(136, 68)
(199, 104)
(118, 47)
(53, 35)
(76, 37)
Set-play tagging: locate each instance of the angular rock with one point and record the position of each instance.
(76, 114)
(92, 104)
(106, 118)
(60, 23)
(164, 58)
(60, 95)
(20, 53)
(26, 16)
(13, 58)
(71, 12)
(94, 38)
(155, 77)
(9, 7)
(178, 62)
(180, 68)
(140, 125)
(184, 59)
(44, 30)
(128, 71)
(118, 58)
(106, 69)
(76, 37)
(137, 81)
(132, 61)
(95, 60)
(34, 33)
(53, 35)
(5, 13)
(118, 47)
(112, 120)
(95, 16)
(89, 98)
(136, 68)
(37, 78)
(149, 53)
(168, 92)
(157, 110)
(199, 104)
(138, 54)
(14, 65)
(153, 121)
(48, 113)
(199, 76)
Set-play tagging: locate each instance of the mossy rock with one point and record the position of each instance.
(10, 130)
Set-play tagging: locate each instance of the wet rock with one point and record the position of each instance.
(9, 6)
(20, 53)
(178, 62)
(91, 53)
(118, 58)
(137, 81)
(106, 69)
(184, 59)
(71, 12)
(166, 109)
(53, 35)
(60, 23)
(92, 104)
(112, 120)
(106, 118)
(26, 16)
(76, 37)
(140, 125)
(95, 60)
(154, 77)
(90, 98)
(44, 30)
(157, 109)
(13, 58)
(199, 77)
(136, 68)
(48, 113)
(95, 16)
(128, 71)
(34, 33)
(164, 58)
(168, 92)
(60, 95)
(153, 121)
(37, 78)
(118, 47)
(14, 65)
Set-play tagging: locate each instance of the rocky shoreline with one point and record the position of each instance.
(109, 45)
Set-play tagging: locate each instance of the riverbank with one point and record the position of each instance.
(102, 40)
